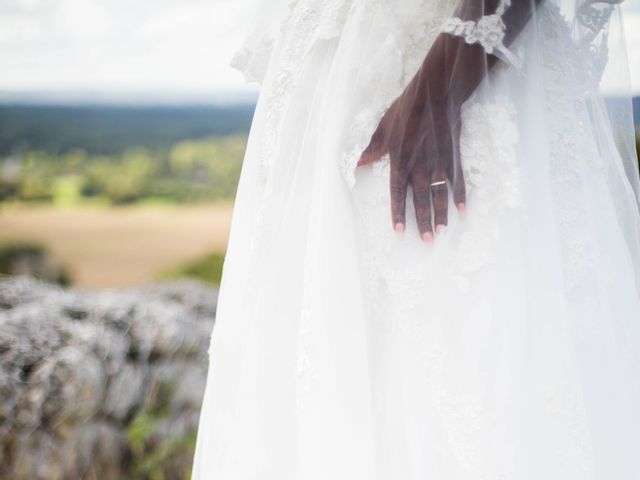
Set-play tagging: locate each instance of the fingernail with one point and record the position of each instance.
(440, 228)
(461, 207)
(399, 228)
(427, 237)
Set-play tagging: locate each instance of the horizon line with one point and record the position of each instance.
(216, 97)
(96, 97)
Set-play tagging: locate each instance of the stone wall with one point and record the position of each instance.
(103, 385)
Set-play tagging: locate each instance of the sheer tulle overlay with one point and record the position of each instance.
(506, 350)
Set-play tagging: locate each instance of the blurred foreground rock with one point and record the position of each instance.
(101, 385)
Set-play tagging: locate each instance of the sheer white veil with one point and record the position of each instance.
(597, 23)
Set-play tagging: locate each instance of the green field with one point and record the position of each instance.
(113, 196)
(124, 246)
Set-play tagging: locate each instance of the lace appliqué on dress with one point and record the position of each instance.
(489, 31)
(359, 135)
(565, 404)
(253, 58)
(383, 80)
(594, 17)
(305, 371)
(573, 68)
(488, 145)
(390, 69)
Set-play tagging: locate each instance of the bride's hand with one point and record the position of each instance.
(420, 133)
(421, 130)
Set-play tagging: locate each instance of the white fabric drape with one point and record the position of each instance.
(509, 349)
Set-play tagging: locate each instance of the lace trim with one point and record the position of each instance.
(574, 159)
(489, 31)
(307, 22)
(594, 16)
(253, 58)
(488, 145)
(392, 67)
(305, 368)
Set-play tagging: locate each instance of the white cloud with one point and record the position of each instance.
(118, 44)
(176, 45)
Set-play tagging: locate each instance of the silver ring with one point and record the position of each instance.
(441, 182)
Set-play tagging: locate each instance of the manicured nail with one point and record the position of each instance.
(461, 207)
(427, 237)
(440, 228)
(399, 228)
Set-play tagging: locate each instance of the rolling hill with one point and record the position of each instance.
(107, 129)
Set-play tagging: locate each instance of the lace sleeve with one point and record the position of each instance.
(488, 31)
(593, 18)
(262, 26)
(252, 59)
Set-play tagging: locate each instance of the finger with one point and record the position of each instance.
(456, 174)
(398, 190)
(422, 198)
(422, 203)
(375, 149)
(440, 198)
(459, 187)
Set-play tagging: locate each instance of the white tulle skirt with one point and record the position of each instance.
(508, 350)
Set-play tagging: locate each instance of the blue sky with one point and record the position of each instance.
(144, 45)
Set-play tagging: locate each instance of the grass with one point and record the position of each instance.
(17, 256)
(207, 269)
(153, 457)
(118, 247)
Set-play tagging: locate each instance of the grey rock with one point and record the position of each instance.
(126, 392)
(93, 382)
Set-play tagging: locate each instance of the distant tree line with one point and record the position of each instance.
(120, 155)
(188, 171)
(110, 130)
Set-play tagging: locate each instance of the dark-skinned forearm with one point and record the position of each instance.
(453, 69)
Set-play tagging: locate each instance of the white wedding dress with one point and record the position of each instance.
(508, 350)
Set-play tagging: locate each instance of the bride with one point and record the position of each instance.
(434, 264)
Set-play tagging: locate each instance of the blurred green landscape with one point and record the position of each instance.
(117, 195)
(121, 155)
(106, 195)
